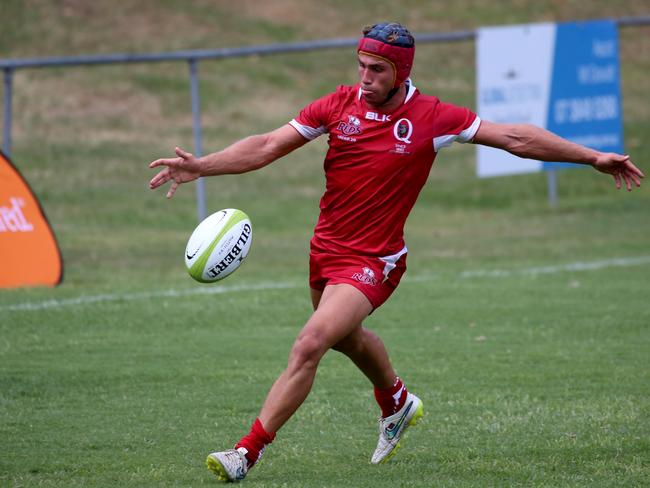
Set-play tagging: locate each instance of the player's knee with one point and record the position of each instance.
(306, 352)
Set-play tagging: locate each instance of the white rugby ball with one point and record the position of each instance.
(218, 245)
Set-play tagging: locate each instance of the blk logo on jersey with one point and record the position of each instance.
(377, 117)
(367, 277)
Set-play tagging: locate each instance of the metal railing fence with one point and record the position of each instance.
(192, 57)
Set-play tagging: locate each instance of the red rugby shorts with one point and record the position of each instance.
(375, 277)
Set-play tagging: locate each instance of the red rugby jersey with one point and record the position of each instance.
(376, 164)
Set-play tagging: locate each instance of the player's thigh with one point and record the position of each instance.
(315, 297)
(341, 309)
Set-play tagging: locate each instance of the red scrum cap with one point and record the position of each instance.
(391, 42)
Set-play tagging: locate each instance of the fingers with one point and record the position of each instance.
(623, 170)
(172, 189)
(161, 178)
(624, 177)
(629, 165)
(165, 162)
(628, 185)
(636, 179)
(629, 177)
(182, 154)
(621, 158)
(631, 174)
(165, 175)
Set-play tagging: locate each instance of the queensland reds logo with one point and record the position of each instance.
(403, 130)
(351, 127)
(367, 277)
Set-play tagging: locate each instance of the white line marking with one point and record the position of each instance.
(88, 299)
(579, 266)
(220, 289)
(506, 273)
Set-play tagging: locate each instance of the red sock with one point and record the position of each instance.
(391, 399)
(255, 442)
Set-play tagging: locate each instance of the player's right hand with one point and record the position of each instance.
(621, 168)
(186, 167)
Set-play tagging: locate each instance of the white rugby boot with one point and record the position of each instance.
(230, 465)
(393, 427)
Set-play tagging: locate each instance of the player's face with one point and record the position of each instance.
(376, 77)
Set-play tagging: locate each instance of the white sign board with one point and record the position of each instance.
(563, 77)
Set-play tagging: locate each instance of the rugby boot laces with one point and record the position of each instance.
(392, 428)
(230, 465)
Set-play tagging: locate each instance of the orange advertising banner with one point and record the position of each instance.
(29, 253)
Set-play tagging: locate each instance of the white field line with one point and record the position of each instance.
(577, 266)
(220, 289)
(116, 297)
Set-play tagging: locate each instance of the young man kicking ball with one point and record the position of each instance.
(383, 138)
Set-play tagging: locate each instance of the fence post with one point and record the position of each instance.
(198, 135)
(6, 132)
(551, 176)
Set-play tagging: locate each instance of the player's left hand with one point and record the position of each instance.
(621, 168)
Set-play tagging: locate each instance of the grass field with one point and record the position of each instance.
(523, 328)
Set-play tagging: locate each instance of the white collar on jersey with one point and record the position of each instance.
(409, 94)
(411, 90)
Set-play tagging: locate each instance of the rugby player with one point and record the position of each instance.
(383, 138)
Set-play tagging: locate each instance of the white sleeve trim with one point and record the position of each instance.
(469, 133)
(465, 136)
(306, 131)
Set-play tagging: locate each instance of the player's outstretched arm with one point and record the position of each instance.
(249, 154)
(529, 141)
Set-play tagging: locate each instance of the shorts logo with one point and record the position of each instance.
(367, 277)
